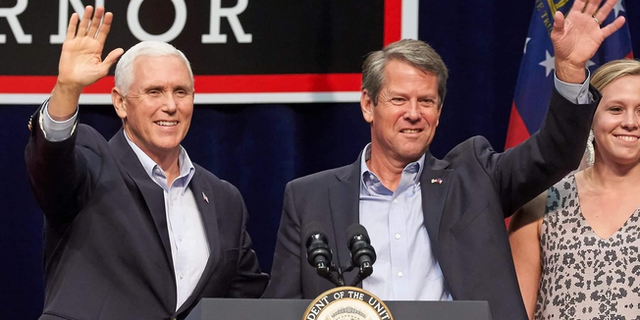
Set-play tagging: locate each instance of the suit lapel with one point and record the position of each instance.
(344, 202)
(205, 200)
(344, 197)
(434, 185)
(150, 191)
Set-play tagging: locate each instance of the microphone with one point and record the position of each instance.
(319, 253)
(362, 253)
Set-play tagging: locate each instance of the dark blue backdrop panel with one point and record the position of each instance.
(260, 147)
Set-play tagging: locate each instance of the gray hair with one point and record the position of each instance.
(124, 75)
(415, 52)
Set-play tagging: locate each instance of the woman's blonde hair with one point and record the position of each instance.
(613, 70)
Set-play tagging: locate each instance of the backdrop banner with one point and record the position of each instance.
(291, 51)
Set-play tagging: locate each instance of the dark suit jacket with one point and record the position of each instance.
(107, 253)
(464, 215)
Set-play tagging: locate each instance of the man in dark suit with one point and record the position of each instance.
(134, 229)
(438, 225)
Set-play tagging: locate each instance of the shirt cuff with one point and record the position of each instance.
(57, 130)
(576, 93)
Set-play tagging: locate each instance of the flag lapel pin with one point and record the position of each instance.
(436, 180)
(204, 196)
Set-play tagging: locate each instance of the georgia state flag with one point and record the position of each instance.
(533, 89)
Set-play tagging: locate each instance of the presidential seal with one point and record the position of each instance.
(347, 303)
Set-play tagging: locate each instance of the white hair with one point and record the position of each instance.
(124, 75)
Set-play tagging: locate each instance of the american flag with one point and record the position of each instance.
(535, 79)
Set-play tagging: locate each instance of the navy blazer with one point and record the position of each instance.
(464, 214)
(107, 253)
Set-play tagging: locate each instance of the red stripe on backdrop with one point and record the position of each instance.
(392, 21)
(27, 84)
(517, 131)
(209, 84)
(44, 84)
(279, 83)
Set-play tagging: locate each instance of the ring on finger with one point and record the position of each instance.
(596, 19)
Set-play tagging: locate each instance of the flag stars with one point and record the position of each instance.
(548, 63)
(617, 8)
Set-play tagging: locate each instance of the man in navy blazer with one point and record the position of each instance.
(437, 225)
(134, 229)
